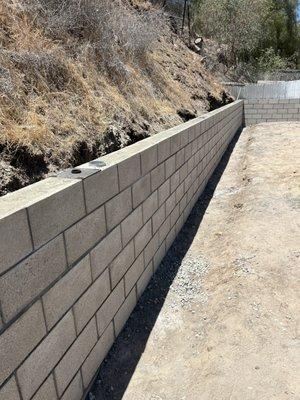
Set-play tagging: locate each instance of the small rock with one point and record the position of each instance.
(186, 115)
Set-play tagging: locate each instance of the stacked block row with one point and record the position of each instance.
(257, 111)
(78, 250)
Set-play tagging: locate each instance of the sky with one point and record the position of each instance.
(299, 12)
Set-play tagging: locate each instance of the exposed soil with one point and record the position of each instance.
(59, 108)
(220, 318)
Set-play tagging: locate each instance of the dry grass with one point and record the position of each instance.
(69, 69)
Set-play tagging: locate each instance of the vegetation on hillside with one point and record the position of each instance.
(264, 35)
(79, 78)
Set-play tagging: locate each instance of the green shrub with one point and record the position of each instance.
(269, 61)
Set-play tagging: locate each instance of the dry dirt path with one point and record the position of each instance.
(219, 320)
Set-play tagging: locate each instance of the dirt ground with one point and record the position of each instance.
(220, 318)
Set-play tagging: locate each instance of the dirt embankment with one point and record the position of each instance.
(68, 95)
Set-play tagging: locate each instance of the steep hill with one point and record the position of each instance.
(80, 79)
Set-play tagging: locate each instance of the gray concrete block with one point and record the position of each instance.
(179, 158)
(157, 176)
(183, 172)
(150, 249)
(174, 215)
(294, 117)
(131, 225)
(66, 291)
(159, 255)
(10, 391)
(144, 280)
(109, 309)
(129, 171)
(47, 391)
(74, 390)
(15, 238)
(141, 190)
(28, 279)
(179, 192)
(170, 166)
(188, 183)
(56, 212)
(75, 356)
(20, 338)
(170, 204)
(164, 230)
(170, 238)
(185, 136)
(133, 274)
(194, 147)
(190, 165)
(150, 205)
(143, 237)
(78, 173)
(91, 301)
(288, 106)
(158, 218)
(121, 264)
(101, 187)
(118, 208)
(192, 134)
(188, 152)
(124, 312)
(164, 192)
(175, 142)
(179, 224)
(149, 159)
(182, 204)
(97, 355)
(43, 359)
(85, 234)
(106, 251)
(164, 150)
(175, 180)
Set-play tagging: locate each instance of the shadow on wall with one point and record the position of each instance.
(117, 369)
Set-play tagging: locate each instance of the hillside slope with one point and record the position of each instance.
(70, 92)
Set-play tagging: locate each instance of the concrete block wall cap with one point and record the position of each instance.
(77, 173)
(27, 196)
(97, 164)
(122, 154)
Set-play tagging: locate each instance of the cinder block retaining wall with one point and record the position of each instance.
(78, 250)
(264, 110)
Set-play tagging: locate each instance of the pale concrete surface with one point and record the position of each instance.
(23, 283)
(20, 339)
(219, 320)
(36, 368)
(272, 110)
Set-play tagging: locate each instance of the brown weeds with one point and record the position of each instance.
(69, 68)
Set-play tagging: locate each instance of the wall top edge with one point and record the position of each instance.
(126, 152)
(36, 192)
(29, 195)
(272, 98)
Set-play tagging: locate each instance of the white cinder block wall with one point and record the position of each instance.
(272, 110)
(78, 250)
